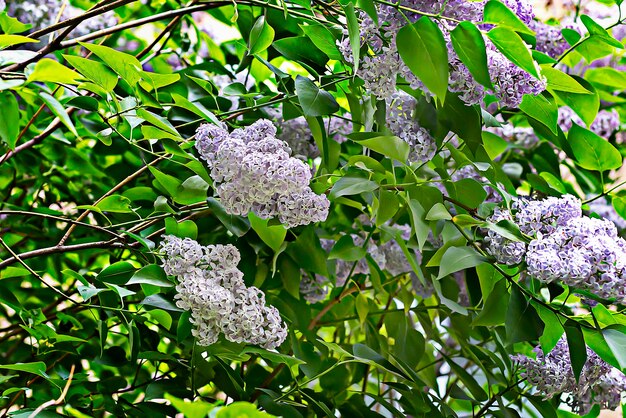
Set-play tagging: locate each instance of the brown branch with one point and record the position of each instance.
(61, 249)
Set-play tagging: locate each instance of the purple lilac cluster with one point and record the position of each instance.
(212, 288)
(380, 71)
(550, 39)
(606, 123)
(566, 246)
(297, 134)
(552, 375)
(253, 172)
(605, 210)
(401, 123)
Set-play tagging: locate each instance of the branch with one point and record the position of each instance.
(60, 249)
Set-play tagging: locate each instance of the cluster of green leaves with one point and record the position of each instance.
(98, 162)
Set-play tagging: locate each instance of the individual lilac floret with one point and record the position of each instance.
(212, 288)
(253, 172)
(605, 210)
(552, 375)
(585, 253)
(401, 123)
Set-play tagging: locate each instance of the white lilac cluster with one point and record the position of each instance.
(253, 172)
(380, 70)
(297, 134)
(212, 288)
(605, 210)
(552, 375)
(43, 13)
(605, 124)
(566, 247)
(401, 123)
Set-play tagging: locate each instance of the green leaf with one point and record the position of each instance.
(522, 322)
(191, 409)
(388, 204)
(496, 12)
(513, 47)
(345, 249)
(577, 347)
(195, 107)
(591, 151)
(51, 71)
(354, 34)
(115, 204)
(362, 307)
(116, 273)
(11, 25)
(585, 105)
(468, 380)
(420, 226)
(94, 71)
(469, 44)
(273, 235)
(457, 259)
(314, 101)
(607, 76)
(169, 183)
(323, 39)
(438, 212)
(9, 117)
(422, 47)
(349, 185)
(10, 40)
(558, 80)
(158, 301)
(261, 36)
(241, 410)
(151, 274)
(58, 110)
(125, 65)
(38, 368)
(599, 32)
(616, 341)
(158, 121)
(389, 146)
(237, 225)
(307, 251)
(494, 310)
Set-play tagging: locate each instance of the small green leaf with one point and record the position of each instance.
(151, 274)
(354, 34)
(513, 47)
(59, 111)
(345, 249)
(457, 259)
(558, 80)
(314, 101)
(522, 322)
(591, 151)
(10, 40)
(273, 235)
(617, 343)
(349, 185)
(261, 36)
(577, 347)
(323, 39)
(389, 146)
(494, 310)
(542, 109)
(468, 380)
(496, 12)
(51, 71)
(38, 368)
(423, 49)
(115, 204)
(94, 71)
(469, 44)
(9, 118)
(125, 65)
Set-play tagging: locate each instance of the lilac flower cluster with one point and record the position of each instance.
(606, 122)
(566, 246)
(380, 70)
(552, 375)
(402, 124)
(253, 172)
(605, 210)
(550, 39)
(212, 288)
(297, 134)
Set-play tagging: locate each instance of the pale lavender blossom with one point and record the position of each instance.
(605, 210)
(253, 172)
(552, 375)
(212, 288)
